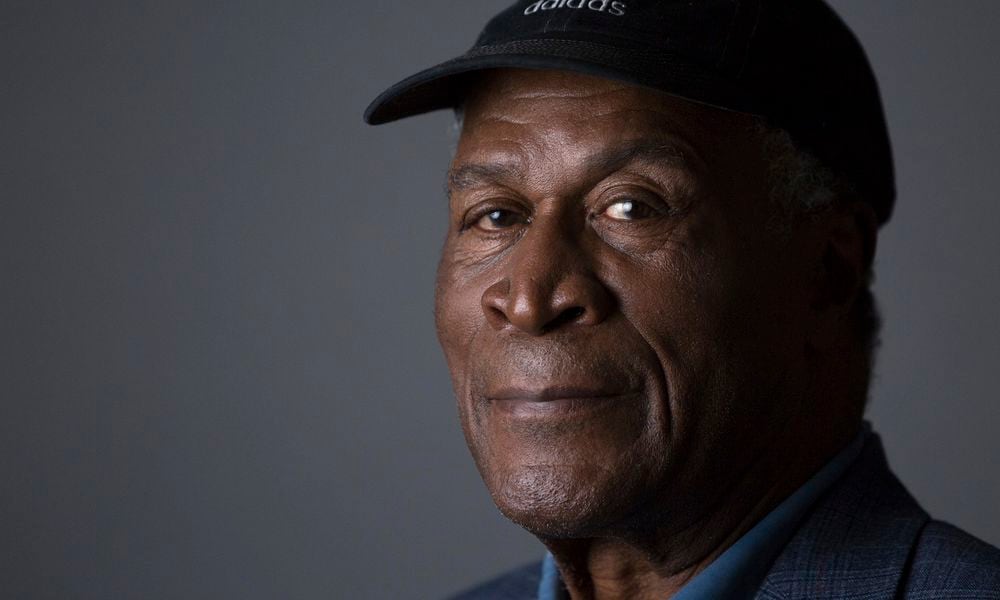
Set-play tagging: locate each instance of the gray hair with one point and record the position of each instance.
(802, 186)
(799, 183)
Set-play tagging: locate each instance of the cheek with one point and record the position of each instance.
(458, 320)
(455, 330)
(456, 308)
(673, 298)
(725, 328)
(689, 301)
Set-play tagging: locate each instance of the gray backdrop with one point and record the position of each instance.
(219, 371)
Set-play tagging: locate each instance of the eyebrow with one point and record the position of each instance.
(470, 175)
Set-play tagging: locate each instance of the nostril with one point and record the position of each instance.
(496, 317)
(567, 316)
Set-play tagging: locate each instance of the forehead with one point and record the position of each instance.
(561, 113)
(556, 131)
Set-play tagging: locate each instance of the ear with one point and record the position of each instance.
(848, 236)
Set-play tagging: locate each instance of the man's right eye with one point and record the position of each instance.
(498, 219)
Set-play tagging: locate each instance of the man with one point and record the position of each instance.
(654, 303)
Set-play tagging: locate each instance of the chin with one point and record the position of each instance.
(561, 503)
(568, 471)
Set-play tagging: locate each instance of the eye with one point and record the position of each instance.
(498, 219)
(629, 209)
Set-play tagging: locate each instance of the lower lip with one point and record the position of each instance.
(519, 408)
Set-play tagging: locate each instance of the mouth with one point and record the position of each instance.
(555, 401)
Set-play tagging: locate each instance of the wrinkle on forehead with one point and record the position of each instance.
(536, 128)
(548, 100)
(555, 126)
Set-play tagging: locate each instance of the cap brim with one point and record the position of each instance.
(444, 85)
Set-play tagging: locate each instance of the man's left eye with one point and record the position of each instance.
(629, 210)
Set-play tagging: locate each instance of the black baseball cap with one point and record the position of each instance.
(794, 63)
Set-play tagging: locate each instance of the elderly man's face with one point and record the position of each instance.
(623, 328)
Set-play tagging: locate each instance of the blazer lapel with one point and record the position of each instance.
(856, 541)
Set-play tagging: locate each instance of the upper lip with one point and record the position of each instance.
(555, 392)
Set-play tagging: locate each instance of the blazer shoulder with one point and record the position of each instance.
(517, 584)
(950, 563)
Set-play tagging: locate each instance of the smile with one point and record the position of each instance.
(555, 401)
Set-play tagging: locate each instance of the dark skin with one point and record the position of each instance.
(644, 368)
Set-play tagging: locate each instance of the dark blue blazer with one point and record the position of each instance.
(866, 539)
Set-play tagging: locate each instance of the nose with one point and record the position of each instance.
(547, 283)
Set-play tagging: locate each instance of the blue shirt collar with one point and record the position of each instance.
(738, 571)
